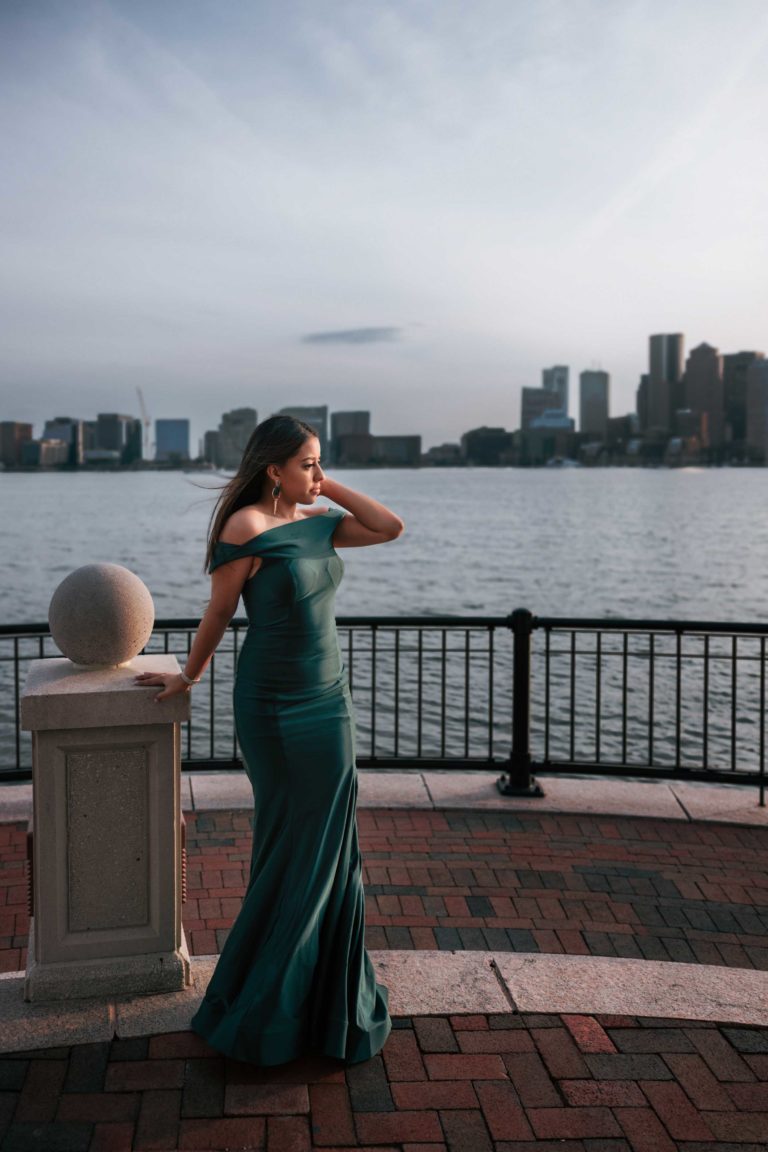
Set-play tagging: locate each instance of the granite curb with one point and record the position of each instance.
(427, 984)
(382, 788)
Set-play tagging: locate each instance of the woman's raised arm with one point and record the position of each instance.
(368, 522)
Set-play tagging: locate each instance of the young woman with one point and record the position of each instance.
(294, 975)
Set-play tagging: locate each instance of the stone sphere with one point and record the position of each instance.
(101, 615)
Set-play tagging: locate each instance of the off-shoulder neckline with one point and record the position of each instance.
(277, 528)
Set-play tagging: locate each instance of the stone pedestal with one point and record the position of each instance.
(107, 832)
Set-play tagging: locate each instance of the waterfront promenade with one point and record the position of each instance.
(584, 972)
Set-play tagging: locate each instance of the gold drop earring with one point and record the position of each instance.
(275, 497)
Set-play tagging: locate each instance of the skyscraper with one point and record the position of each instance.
(703, 393)
(13, 436)
(666, 370)
(556, 380)
(593, 402)
(641, 401)
(735, 368)
(757, 410)
(117, 433)
(171, 439)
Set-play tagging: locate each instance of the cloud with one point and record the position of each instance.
(354, 336)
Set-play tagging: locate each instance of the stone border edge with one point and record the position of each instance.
(430, 983)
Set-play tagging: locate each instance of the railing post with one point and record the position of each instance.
(518, 781)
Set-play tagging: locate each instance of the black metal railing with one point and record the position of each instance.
(653, 698)
(656, 698)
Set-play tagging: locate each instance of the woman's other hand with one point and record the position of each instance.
(173, 685)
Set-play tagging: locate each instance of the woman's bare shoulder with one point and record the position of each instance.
(243, 525)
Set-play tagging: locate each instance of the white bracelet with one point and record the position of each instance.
(187, 680)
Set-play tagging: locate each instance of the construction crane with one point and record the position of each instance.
(146, 422)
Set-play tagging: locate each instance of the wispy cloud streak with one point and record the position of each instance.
(354, 336)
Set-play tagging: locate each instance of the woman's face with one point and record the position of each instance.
(301, 474)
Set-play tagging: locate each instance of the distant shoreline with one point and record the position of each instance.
(189, 466)
(209, 470)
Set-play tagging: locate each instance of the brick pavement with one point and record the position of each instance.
(460, 1083)
(637, 888)
(468, 1083)
(580, 885)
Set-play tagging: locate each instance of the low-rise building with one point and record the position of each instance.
(547, 441)
(45, 453)
(534, 401)
(348, 424)
(553, 420)
(358, 449)
(486, 446)
(397, 451)
(212, 448)
(101, 457)
(234, 432)
(70, 431)
(443, 456)
(619, 433)
(354, 449)
(317, 418)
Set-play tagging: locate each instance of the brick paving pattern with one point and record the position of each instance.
(461, 1084)
(467, 1083)
(580, 885)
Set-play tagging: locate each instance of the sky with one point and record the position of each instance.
(410, 207)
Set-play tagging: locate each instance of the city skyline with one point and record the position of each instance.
(703, 406)
(393, 209)
(699, 392)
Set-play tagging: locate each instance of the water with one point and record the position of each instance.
(691, 544)
(661, 544)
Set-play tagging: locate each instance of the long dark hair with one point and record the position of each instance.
(272, 442)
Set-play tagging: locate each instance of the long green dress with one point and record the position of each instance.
(294, 975)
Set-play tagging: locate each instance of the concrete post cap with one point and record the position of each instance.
(101, 615)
